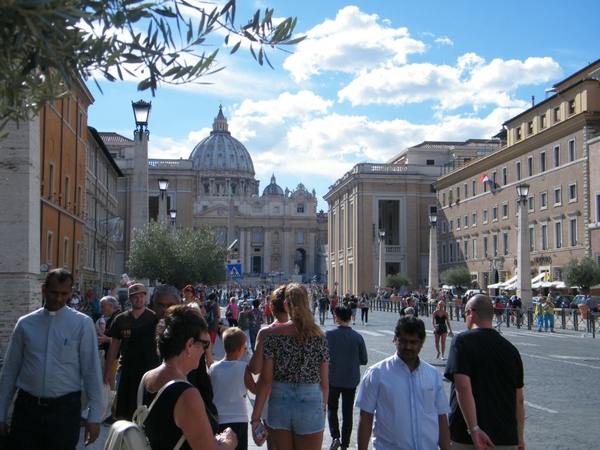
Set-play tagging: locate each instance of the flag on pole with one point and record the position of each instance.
(485, 179)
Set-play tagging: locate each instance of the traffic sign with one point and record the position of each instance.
(234, 270)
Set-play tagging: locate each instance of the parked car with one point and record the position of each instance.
(563, 301)
(578, 300)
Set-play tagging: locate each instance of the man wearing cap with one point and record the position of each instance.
(132, 334)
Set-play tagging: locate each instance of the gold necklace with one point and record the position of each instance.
(179, 371)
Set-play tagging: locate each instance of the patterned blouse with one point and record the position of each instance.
(295, 363)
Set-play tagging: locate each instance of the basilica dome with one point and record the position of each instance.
(220, 153)
(273, 189)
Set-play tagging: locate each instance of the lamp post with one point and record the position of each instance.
(523, 248)
(433, 259)
(173, 214)
(381, 260)
(163, 185)
(139, 188)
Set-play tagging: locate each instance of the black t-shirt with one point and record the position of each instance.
(495, 368)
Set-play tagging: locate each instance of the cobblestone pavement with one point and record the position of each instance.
(562, 371)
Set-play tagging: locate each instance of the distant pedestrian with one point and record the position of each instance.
(323, 307)
(441, 324)
(486, 395)
(256, 321)
(365, 304)
(347, 352)
(549, 315)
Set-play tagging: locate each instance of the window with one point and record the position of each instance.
(542, 161)
(443, 253)
(530, 128)
(543, 123)
(300, 237)
(519, 133)
(572, 106)
(474, 248)
(485, 246)
(505, 210)
(473, 188)
(443, 199)
(558, 234)
(444, 225)
(543, 200)
(505, 244)
(474, 219)
(485, 216)
(557, 196)
(573, 232)
(429, 162)
(504, 176)
(458, 223)
(530, 203)
(572, 192)
(544, 237)
(466, 252)
(571, 150)
(556, 151)
(257, 237)
(466, 221)
(451, 225)
(495, 244)
(494, 213)
(451, 252)
(49, 247)
(530, 166)
(67, 200)
(518, 170)
(493, 180)
(66, 252)
(458, 251)
(556, 114)
(300, 208)
(51, 182)
(531, 239)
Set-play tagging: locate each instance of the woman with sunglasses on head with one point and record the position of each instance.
(295, 371)
(182, 337)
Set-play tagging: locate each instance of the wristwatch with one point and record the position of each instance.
(473, 430)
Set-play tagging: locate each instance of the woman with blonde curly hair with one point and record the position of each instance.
(295, 371)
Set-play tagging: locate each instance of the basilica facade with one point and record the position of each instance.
(273, 233)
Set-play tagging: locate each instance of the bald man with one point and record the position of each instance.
(486, 396)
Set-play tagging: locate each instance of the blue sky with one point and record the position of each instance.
(371, 78)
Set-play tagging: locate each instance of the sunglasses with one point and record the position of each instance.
(205, 343)
(467, 311)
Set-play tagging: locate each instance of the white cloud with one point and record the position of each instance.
(351, 42)
(444, 40)
(470, 82)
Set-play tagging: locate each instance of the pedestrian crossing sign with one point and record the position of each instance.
(234, 270)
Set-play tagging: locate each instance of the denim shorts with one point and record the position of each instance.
(296, 407)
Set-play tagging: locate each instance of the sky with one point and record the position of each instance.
(370, 79)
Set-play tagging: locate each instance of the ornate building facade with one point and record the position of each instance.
(276, 233)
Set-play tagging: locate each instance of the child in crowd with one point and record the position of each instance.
(231, 380)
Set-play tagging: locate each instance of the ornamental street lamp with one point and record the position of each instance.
(139, 188)
(173, 214)
(433, 262)
(163, 185)
(141, 112)
(523, 247)
(381, 260)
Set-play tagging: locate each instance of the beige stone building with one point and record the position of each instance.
(396, 197)
(278, 233)
(553, 146)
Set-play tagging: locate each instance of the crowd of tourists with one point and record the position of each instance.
(159, 353)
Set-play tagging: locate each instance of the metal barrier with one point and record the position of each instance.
(566, 319)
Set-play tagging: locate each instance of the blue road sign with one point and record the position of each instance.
(234, 270)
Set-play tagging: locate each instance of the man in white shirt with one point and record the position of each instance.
(53, 352)
(404, 396)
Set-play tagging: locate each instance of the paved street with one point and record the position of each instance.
(562, 371)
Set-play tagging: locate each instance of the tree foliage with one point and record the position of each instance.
(47, 44)
(456, 276)
(177, 258)
(396, 281)
(584, 273)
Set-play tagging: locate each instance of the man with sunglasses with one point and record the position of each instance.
(486, 395)
(405, 395)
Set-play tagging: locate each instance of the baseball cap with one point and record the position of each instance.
(136, 288)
